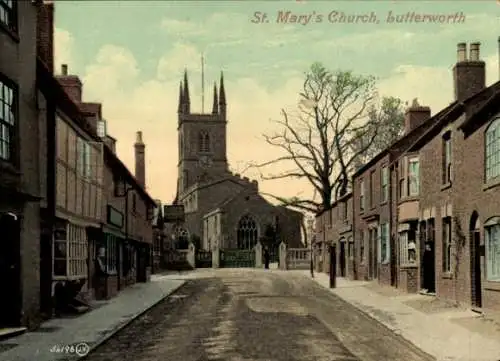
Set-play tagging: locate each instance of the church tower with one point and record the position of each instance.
(202, 138)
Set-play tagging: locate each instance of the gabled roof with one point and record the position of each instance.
(401, 141)
(471, 105)
(482, 114)
(53, 90)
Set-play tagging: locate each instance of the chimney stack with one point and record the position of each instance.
(71, 84)
(140, 160)
(469, 75)
(45, 34)
(416, 115)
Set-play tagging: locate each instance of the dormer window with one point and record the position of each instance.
(447, 161)
(101, 128)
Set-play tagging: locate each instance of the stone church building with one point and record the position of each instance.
(221, 208)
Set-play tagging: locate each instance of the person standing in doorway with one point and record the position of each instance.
(266, 258)
(428, 265)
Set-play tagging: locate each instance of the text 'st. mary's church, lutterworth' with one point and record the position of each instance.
(221, 208)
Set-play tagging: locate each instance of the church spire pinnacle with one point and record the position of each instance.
(186, 100)
(222, 96)
(181, 99)
(215, 107)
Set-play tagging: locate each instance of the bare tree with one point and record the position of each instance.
(336, 122)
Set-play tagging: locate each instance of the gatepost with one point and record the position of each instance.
(283, 256)
(258, 255)
(191, 256)
(215, 256)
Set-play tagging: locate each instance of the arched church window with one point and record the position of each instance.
(203, 141)
(247, 233)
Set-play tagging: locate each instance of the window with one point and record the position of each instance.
(247, 234)
(362, 247)
(185, 179)
(413, 177)
(372, 189)
(492, 151)
(8, 13)
(492, 240)
(350, 249)
(84, 158)
(344, 211)
(8, 107)
(362, 196)
(384, 249)
(134, 202)
(203, 142)
(447, 158)
(384, 177)
(408, 247)
(70, 251)
(107, 252)
(446, 244)
(101, 128)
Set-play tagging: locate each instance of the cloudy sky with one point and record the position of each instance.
(131, 55)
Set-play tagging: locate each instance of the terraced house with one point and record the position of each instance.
(426, 211)
(459, 204)
(337, 230)
(20, 170)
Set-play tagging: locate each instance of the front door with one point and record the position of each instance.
(342, 259)
(373, 253)
(477, 299)
(429, 268)
(10, 271)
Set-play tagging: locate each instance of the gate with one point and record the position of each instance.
(237, 258)
(274, 255)
(203, 259)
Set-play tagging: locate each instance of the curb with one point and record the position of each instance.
(126, 323)
(369, 314)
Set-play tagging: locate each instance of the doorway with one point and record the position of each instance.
(475, 259)
(428, 256)
(373, 253)
(10, 270)
(342, 258)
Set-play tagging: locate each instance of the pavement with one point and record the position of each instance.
(442, 330)
(254, 315)
(60, 338)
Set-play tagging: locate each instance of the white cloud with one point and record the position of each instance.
(182, 56)
(151, 106)
(433, 86)
(64, 43)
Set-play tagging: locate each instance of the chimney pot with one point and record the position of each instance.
(138, 138)
(474, 51)
(461, 52)
(64, 69)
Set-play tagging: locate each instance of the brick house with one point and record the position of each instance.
(124, 243)
(459, 202)
(375, 202)
(337, 230)
(20, 170)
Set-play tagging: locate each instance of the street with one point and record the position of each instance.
(255, 315)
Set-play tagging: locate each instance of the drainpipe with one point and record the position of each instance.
(396, 250)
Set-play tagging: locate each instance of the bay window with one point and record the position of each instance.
(492, 241)
(70, 249)
(107, 252)
(408, 246)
